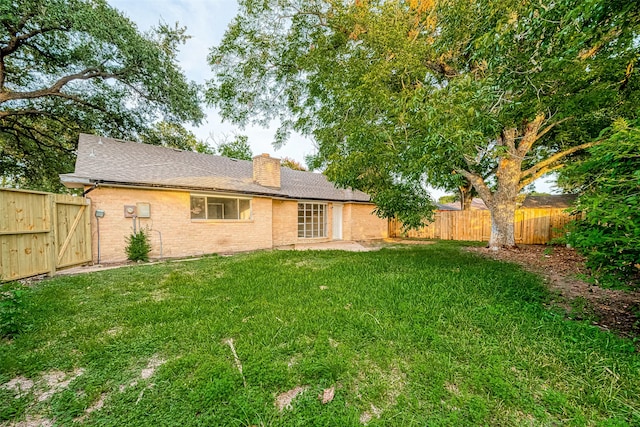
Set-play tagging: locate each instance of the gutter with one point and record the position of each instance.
(117, 184)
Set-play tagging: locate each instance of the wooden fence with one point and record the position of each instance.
(42, 232)
(532, 226)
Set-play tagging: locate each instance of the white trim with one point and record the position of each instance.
(313, 227)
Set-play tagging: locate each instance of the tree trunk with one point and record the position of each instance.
(466, 196)
(503, 204)
(502, 225)
(510, 178)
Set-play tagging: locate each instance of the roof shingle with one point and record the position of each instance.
(112, 161)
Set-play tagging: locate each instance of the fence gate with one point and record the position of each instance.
(41, 232)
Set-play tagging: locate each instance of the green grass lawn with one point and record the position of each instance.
(426, 335)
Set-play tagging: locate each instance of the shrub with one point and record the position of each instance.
(609, 234)
(11, 311)
(138, 246)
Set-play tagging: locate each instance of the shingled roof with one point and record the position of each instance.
(111, 161)
(560, 201)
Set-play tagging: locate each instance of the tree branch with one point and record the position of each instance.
(533, 170)
(537, 175)
(530, 136)
(16, 41)
(79, 101)
(54, 90)
(4, 114)
(479, 184)
(508, 139)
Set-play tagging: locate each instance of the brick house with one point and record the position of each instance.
(194, 203)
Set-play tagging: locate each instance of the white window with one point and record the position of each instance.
(312, 220)
(216, 207)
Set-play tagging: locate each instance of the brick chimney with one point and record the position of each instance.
(266, 171)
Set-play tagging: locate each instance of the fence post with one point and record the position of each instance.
(53, 250)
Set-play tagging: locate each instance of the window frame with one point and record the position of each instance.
(316, 229)
(218, 196)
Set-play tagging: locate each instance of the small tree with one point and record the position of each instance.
(138, 246)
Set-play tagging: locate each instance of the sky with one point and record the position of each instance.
(206, 22)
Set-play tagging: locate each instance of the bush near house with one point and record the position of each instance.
(138, 246)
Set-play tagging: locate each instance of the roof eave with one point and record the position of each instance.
(73, 181)
(81, 182)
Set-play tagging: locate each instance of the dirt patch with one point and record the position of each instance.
(615, 310)
(154, 363)
(327, 395)
(114, 331)
(367, 416)
(97, 405)
(393, 379)
(33, 421)
(283, 400)
(43, 388)
(57, 381)
(19, 385)
(452, 388)
(159, 295)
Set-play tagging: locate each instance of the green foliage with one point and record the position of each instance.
(11, 310)
(410, 204)
(292, 164)
(239, 148)
(174, 135)
(449, 198)
(609, 182)
(428, 88)
(430, 335)
(71, 66)
(138, 246)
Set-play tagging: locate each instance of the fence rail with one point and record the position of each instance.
(41, 232)
(532, 226)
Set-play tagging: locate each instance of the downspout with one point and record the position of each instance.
(89, 190)
(98, 227)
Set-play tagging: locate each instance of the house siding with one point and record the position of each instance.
(274, 223)
(170, 215)
(360, 223)
(285, 222)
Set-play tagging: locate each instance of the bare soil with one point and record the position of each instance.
(563, 269)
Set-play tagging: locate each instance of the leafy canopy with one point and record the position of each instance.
(70, 66)
(399, 94)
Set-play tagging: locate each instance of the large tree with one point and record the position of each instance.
(491, 93)
(70, 66)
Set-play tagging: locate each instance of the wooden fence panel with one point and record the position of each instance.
(532, 226)
(73, 231)
(32, 242)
